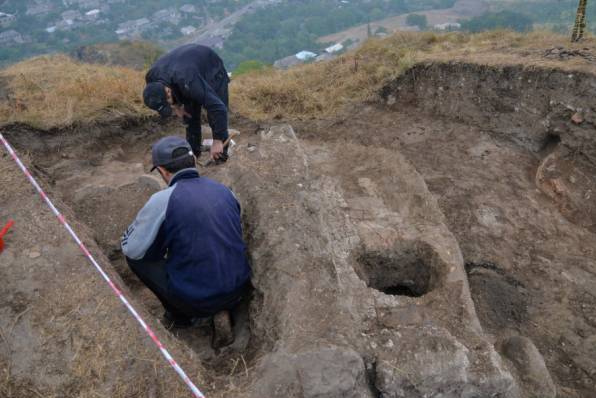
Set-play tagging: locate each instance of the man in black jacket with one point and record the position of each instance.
(185, 80)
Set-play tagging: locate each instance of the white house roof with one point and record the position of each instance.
(188, 8)
(444, 26)
(334, 48)
(187, 30)
(304, 55)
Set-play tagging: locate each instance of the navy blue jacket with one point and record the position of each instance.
(195, 224)
(195, 74)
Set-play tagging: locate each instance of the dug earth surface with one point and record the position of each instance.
(410, 248)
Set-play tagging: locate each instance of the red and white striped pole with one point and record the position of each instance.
(196, 392)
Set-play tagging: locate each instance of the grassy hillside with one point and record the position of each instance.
(57, 92)
(291, 26)
(324, 88)
(133, 54)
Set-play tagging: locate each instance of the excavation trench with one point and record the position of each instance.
(105, 180)
(510, 153)
(505, 163)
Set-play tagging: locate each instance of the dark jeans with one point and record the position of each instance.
(194, 134)
(153, 275)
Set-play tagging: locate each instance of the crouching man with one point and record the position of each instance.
(186, 244)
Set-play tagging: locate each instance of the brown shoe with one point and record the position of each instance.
(223, 335)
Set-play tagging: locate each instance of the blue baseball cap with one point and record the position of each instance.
(162, 152)
(155, 98)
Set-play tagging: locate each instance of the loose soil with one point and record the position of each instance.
(392, 248)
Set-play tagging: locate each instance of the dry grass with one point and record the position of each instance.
(319, 90)
(133, 54)
(56, 92)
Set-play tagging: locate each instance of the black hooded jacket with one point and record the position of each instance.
(195, 73)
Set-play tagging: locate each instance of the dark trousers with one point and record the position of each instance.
(194, 134)
(153, 274)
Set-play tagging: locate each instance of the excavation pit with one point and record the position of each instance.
(410, 269)
(105, 190)
(449, 112)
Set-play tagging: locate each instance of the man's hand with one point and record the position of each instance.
(180, 111)
(216, 149)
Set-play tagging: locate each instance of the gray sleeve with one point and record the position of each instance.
(139, 236)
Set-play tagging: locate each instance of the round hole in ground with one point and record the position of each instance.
(410, 268)
(550, 143)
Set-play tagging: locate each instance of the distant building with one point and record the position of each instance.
(168, 15)
(51, 29)
(93, 14)
(334, 48)
(11, 37)
(293, 60)
(188, 30)
(188, 9)
(40, 7)
(6, 19)
(70, 15)
(447, 26)
(305, 55)
(133, 28)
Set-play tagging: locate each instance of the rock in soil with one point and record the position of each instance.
(530, 365)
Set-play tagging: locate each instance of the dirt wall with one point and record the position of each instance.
(525, 104)
(547, 111)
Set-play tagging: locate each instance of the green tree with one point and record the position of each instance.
(417, 20)
(500, 20)
(376, 14)
(283, 29)
(249, 66)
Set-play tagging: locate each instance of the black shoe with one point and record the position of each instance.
(171, 321)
